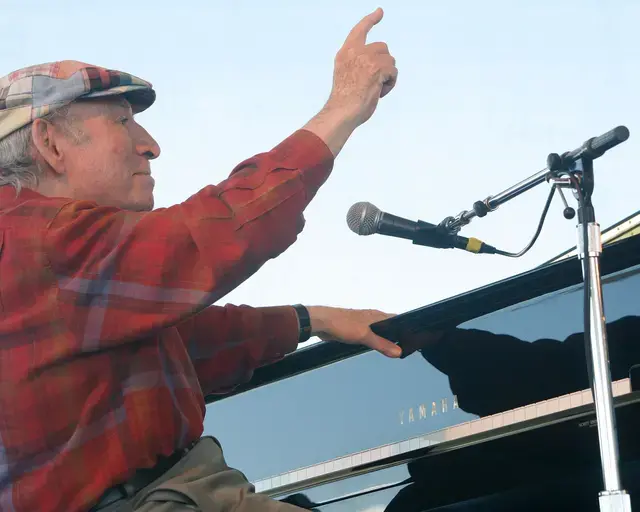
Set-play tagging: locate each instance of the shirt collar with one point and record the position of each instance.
(8, 195)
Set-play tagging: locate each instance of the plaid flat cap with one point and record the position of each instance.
(30, 93)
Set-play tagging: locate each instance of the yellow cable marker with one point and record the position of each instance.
(474, 245)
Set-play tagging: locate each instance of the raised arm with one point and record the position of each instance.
(123, 274)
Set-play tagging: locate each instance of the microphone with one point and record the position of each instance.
(365, 219)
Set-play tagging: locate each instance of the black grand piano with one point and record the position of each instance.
(491, 410)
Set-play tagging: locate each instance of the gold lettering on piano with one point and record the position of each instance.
(439, 406)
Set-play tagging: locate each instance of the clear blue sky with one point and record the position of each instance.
(485, 91)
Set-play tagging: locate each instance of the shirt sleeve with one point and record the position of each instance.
(226, 344)
(122, 275)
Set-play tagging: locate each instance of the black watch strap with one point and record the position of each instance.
(304, 323)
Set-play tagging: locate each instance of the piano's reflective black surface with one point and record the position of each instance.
(493, 415)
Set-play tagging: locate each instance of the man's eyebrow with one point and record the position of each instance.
(119, 101)
(125, 104)
(123, 107)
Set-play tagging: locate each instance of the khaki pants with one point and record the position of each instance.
(201, 482)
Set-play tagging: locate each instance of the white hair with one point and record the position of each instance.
(18, 166)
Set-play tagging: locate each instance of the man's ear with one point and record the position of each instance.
(47, 139)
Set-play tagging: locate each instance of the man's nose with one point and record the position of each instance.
(147, 146)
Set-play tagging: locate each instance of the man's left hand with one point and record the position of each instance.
(351, 326)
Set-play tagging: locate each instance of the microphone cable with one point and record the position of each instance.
(537, 233)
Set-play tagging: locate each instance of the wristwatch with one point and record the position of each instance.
(304, 323)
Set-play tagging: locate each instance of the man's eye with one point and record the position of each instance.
(123, 120)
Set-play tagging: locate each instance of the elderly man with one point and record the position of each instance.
(108, 338)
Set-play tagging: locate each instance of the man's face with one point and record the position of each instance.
(107, 158)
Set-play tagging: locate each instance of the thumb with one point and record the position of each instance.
(382, 345)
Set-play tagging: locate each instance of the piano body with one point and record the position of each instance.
(492, 412)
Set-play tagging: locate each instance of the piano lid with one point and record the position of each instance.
(496, 358)
(538, 282)
(449, 312)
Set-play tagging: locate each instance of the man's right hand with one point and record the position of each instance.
(363, 74)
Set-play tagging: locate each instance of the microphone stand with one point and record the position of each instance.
(574, 170)
(613, 497)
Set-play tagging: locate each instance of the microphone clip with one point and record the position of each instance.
(441, 238)
(433, 236)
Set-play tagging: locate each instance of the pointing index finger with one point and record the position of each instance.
(358, 34)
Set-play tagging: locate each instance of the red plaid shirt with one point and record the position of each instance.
(106, 341)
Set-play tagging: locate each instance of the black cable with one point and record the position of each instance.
(537, 233)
